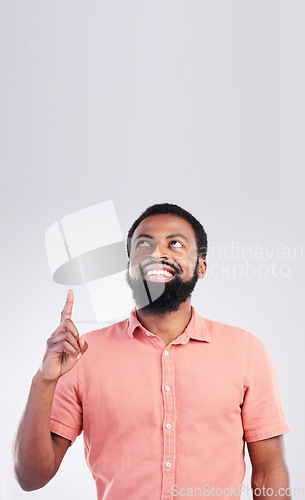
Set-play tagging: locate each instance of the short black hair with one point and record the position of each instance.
(169, 208)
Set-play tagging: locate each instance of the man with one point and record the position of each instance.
(166, 399)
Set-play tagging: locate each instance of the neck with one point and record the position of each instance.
(169, 326)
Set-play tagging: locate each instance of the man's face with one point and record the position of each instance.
(164, 264)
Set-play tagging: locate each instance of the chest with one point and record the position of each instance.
(196, 381)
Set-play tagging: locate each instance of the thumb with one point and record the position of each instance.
(83, 347)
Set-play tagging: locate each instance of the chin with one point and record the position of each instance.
(160, 298)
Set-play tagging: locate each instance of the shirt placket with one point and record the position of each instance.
(168, 394)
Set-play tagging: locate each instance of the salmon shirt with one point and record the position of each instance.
(158, 420)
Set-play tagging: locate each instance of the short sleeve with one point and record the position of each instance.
(262, 412)
(66, 414)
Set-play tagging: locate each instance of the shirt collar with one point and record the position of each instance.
(196, 329)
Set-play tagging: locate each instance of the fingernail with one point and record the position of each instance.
(79, 356)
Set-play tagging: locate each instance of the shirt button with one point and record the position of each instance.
(168, 464)
(167, 388)
(166, 353)
(147, 334)
(168, 426)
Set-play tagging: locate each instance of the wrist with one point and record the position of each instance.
(40, 380)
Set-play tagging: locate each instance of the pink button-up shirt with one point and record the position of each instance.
(163, 422)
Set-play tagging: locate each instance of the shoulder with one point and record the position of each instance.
(239, 341)
(225, 329)
(230, 334)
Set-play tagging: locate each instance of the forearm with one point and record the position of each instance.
(272, 484)
(33, 449)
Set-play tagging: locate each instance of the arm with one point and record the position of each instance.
(38, 452)
(269, 469)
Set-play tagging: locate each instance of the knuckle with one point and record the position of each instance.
(61, 345)
(67, 322)
(69, 338)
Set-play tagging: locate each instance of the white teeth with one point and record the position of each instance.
(159, 273)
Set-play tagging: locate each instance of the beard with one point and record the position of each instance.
(157, 298)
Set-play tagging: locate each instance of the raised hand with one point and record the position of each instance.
(64, 347)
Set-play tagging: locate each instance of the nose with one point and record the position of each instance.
(159, 252)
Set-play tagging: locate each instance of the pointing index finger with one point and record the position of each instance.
(67, 310)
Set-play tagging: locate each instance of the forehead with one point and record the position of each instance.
(160, 225)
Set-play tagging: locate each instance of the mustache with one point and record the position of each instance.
(162, 262)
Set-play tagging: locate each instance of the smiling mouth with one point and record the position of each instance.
(155, 272)
(158, 273)
(162, 278)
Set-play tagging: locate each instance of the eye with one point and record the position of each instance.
(176, 243)
(143, 243)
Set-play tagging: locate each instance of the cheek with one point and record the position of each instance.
(187, 262)
(191, 266)
(139, 255)
(134, 269)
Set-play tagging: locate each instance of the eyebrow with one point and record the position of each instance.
(167, 237)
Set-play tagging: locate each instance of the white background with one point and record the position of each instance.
(199, 103)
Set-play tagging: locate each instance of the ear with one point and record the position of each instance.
(202, 267)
